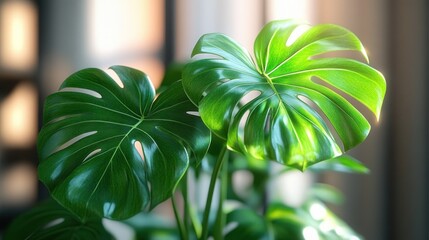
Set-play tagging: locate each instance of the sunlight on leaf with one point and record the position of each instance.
(285, 122)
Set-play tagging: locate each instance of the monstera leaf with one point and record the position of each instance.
(274, 107)
(93, 130)
(49, 220)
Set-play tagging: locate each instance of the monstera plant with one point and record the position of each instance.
(117, 149)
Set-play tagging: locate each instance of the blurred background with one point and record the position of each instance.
(42, 42)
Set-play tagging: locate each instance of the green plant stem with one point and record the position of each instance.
(221, 217)
(180, 226)
(215, 173)
(195, 220)
(186, 210)
(192, 222)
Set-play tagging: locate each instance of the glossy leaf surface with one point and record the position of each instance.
(273, 107)
(49, 220)
(113, 152)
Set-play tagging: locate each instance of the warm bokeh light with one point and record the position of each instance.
(115, 27)
(239, 19)
(18, 31)
(282, 9)
(18, 185)
(18, 117)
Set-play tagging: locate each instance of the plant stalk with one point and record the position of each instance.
(183, 232)
(215, 173)
(185, 195)
(192, 222)
(221, 217)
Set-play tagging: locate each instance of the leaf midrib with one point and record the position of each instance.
(110, 161)
(284, 108)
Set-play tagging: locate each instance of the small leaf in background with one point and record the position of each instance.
(49, 220)
(313, 221)
(326, 193)
(273, 107)
(112, 151)
(150, 226)
(309, 222)
(244, 223)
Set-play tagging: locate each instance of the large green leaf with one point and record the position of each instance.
(49, 220)
(273, 107)
(89, 143)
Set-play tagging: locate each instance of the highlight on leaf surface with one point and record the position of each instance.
(274, 106)
(112, 151)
